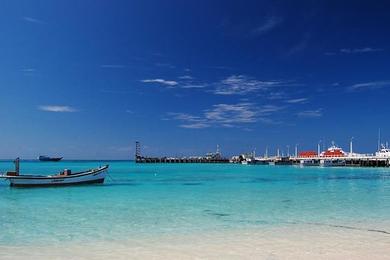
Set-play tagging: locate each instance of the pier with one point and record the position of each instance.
(332, 157)
(208, 158)
(365, 161)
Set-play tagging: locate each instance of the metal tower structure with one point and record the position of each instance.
(137, 150)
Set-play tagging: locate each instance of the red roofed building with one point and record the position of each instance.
(307, 154)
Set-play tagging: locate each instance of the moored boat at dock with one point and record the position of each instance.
(309, 162)
(332, 162)
(383, 152)
(333, 151)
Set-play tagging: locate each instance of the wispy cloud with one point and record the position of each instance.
(226, 116)
(277, 95)
(353, 51)
(188, 121)
(310, 113)
(360, 50)
(170, 83)
(369, 85)
(269, 24)
(232, 113)
(241, 84)
(184, 82)
(112, 66)
(300, 45)
(58, 109)
(28, 70)
(32, 20)
(232, 85)
(297, 101)
(195, 125)
(186, 77)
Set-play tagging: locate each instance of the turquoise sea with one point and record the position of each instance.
(142, 200)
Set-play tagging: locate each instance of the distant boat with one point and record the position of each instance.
(45, 158)
(333, 151)
(63, 178)
(332, 162)
(384, 152)
(284, 160)
(309, 162)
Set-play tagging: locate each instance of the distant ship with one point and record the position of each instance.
(45, 158)
(333, 151)
(384, 152)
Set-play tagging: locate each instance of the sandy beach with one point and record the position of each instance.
(293, 242)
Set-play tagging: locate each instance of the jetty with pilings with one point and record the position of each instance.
(215, 157)
(332, 157)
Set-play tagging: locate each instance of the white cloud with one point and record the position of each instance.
(240, 85)
(161, 81)
(185, 117)
(370, 85)
(269, 24)
(195, 126)
(186, 77)
(226, 115)
(32, 20)
(360, 50)
(353, 51)
(268, 109)
(310, 113)
(59, 109)
(277, 95)
(297, 101)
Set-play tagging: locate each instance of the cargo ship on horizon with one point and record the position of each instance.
(44, 158)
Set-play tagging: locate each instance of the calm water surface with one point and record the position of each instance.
(141, 200)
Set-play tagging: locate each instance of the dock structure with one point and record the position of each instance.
(337, 161)
(208, 158)
(332, 157)
(359, 161)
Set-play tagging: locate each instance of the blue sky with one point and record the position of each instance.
(86, 79)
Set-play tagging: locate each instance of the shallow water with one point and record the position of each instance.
(147, 200)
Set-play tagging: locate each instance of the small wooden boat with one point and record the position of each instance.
(66, 177)
(44, 158)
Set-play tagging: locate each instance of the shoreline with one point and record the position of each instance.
(287, 242)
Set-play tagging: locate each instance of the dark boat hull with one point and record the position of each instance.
(57, 184)
(47, 159)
